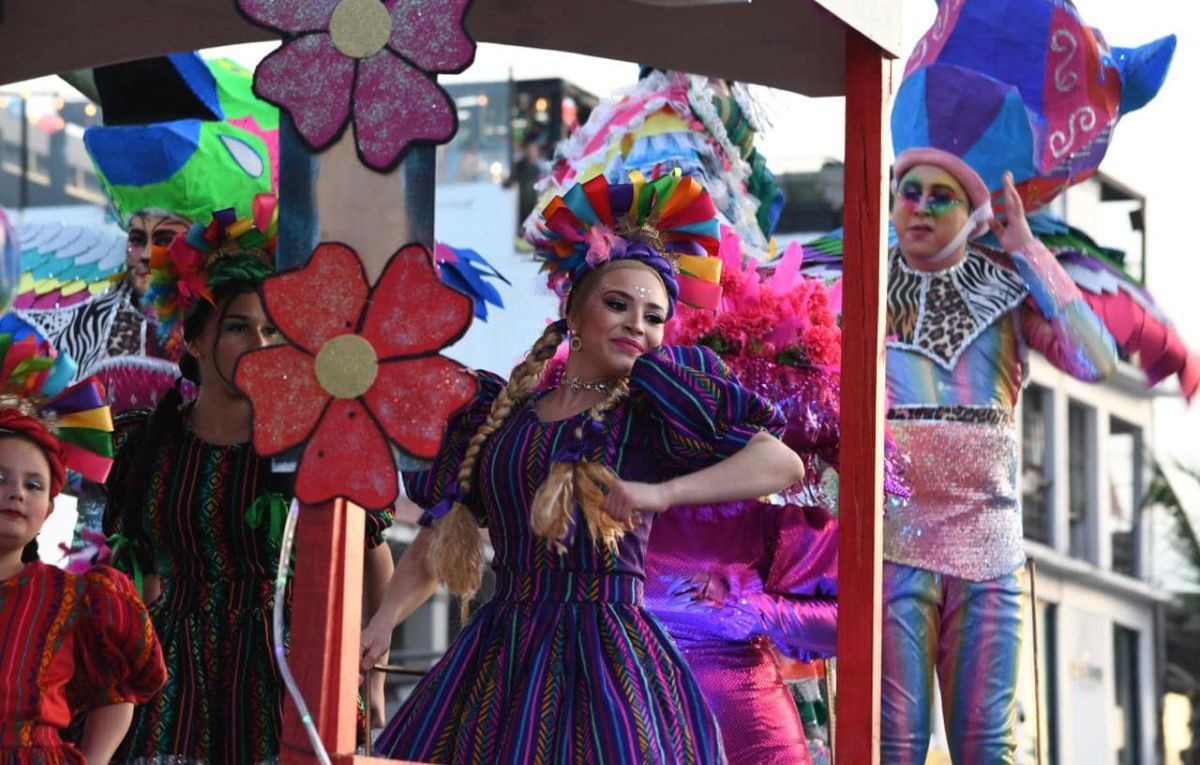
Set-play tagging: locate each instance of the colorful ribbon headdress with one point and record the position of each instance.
(34, 384)
(671, 215)
(225, 250)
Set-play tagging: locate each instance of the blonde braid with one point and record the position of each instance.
(587, 481)
(455, 550)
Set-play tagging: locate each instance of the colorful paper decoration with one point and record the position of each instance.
(224, 155)
(370, 61)
(468, 272)
(362, 371)
(1022, 85)
(195, 264)
(33, 376)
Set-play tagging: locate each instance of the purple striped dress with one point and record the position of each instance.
(563, 664)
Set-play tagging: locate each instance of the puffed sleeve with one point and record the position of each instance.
(130, 548)
(377, 524)
(117, 656)
(439, 482)
(696, 410)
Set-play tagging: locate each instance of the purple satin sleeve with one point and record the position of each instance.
(1062, 327)
(802, 582)
(741, 571)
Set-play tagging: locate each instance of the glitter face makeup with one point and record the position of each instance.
(644, 293)
(938, 200)
(931, 216)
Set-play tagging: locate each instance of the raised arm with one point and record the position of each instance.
(1058, 324)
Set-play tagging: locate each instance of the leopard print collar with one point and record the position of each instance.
(939, 313)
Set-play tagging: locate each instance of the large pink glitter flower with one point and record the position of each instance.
(365, 59)
(362, 370)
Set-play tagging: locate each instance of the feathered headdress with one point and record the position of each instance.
(227, 249)
(73, 424)
(668, 222)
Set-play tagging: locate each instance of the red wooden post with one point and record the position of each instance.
(868, 84)
(324, 641)
(330, 197)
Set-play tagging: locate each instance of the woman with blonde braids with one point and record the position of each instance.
(563, 664)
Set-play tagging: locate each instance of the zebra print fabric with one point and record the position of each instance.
(939, 313)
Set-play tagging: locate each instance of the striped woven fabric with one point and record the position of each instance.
(223, 698)
(71, 643)
(564, 665)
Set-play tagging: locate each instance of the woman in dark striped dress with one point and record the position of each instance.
(198, 518)
(564, 665)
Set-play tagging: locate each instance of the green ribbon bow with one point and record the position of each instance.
(123, 547)
(275, 508)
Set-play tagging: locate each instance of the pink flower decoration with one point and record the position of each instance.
(365, 60)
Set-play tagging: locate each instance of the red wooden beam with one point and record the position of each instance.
(326, 614)
(868, 85)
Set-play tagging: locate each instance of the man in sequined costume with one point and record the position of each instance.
(959, 322)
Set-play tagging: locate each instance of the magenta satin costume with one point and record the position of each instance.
(956, 352)
(765, 578)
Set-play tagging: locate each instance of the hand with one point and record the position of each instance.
(625, 499)
(699, 589)
(376, 645)
(725, 601)
(1015, 234)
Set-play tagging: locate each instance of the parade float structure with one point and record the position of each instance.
(361, 200)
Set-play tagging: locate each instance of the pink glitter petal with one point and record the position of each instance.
(395, 104)
(311, 79)
(430, 33)
(412, 312)
(289, 16)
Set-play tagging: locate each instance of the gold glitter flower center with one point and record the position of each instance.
(360, 28)
(346, 366)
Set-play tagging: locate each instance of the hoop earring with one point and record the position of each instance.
(576, 343)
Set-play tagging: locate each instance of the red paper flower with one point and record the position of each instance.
(362, 371)
(365, 59)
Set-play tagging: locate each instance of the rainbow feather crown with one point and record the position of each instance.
(207, 257)
(595, 221)
(35, 381)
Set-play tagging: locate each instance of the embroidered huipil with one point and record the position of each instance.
(956, 353)
(70, 643)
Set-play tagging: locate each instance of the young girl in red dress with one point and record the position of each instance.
(69, 643)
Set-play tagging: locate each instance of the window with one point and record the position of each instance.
(1037, 464)
(1126, 682)
(1080, 469)
(1124, 486)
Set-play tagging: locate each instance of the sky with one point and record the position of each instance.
(1154, 150)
